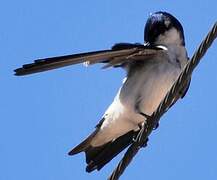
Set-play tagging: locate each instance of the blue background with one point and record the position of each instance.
(44, 115)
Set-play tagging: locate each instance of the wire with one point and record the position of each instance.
(151, 121)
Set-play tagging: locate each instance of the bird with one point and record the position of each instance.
(151, 69)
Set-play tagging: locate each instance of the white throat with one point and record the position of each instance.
(170, 37)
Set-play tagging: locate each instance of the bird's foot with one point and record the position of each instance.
(144, 115)
(147, 117)
(142, 146)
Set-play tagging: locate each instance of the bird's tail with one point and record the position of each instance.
(97, 157)
(83, 145)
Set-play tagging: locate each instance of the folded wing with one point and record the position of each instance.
(119, 54)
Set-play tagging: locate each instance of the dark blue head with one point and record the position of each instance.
(163, 28)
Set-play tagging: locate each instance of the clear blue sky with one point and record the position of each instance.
(44, 115)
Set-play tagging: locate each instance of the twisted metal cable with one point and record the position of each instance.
(151, 121)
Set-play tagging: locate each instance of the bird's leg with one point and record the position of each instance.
(140, 126)
(147, 116)
(143, 114)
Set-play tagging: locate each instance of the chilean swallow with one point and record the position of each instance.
(151, 69)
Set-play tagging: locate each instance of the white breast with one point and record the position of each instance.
(148, 85)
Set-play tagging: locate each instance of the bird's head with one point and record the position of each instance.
(163, 29)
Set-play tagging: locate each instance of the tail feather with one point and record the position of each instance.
(98, 157)
(83, 145)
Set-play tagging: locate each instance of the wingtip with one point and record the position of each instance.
(71, 153)
(78, 149)
(17, 72)
(23, 71)
(20, 72)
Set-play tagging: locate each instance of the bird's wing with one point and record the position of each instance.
(119, 54)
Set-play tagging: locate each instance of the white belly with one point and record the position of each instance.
(149, 86)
